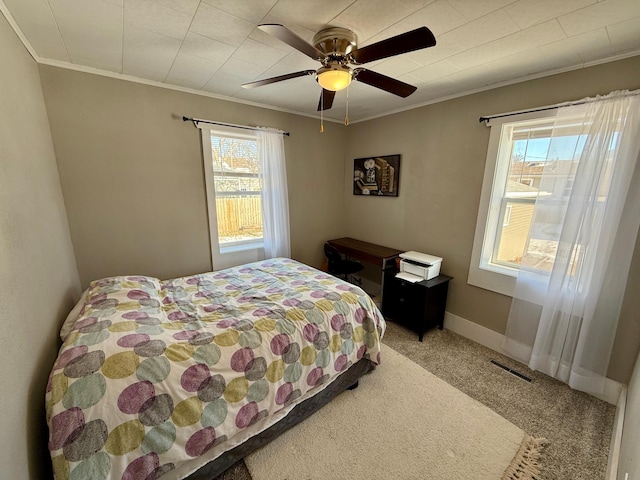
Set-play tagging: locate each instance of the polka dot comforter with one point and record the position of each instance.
(154, 374)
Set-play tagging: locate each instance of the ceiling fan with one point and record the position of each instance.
(337, 50)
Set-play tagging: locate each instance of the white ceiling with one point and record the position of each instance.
(214, 46)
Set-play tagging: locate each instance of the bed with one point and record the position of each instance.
(181, 378)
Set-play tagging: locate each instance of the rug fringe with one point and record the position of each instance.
(526, 465)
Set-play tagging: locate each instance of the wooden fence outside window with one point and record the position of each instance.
(239, 218)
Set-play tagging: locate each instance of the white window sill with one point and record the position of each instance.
(242, 247)
(490, 280)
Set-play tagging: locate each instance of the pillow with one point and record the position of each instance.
(73, 316)
(120, 288)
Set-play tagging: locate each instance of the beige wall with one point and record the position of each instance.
(628, 334)
(38, 276)
(629, 460)
(133, 181)
(626, 339)
(443, 148)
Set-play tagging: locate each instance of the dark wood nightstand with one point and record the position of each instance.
(419, 306)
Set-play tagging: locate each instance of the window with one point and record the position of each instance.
(507, 215)
(237, 187)
(234, 202)
(246, 191)
(530, 157)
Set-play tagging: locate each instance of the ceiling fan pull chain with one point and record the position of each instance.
(346, 116)
(322, 112)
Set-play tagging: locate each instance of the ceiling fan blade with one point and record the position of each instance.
(326, 99)
(267, 81)
(285, 35)
(383, 82)
(406, 42)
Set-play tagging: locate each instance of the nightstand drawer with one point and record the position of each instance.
(409, 299)
(419, 306)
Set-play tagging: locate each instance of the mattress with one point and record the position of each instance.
(157, 378)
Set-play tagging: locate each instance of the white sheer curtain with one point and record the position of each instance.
(275, 200)
(563, 322)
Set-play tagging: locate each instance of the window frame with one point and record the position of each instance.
(482, 273)
(237, 252)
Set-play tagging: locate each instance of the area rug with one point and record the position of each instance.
(401, 422)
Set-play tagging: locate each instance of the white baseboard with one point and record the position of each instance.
(494, 340)
(616, 437)
(473, 331)
(612, 391)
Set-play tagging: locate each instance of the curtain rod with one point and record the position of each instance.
(548, 107)
(246, 127)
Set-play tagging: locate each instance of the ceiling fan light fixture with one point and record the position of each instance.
(336, 48)
(334, 78)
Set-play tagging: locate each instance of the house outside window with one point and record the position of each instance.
(530, 157)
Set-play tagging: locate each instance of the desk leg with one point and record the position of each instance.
(384, 266)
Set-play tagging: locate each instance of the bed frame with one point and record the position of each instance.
(347, 380)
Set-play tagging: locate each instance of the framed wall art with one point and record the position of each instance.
(376, 176)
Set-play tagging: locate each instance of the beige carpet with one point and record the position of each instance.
(401, 422)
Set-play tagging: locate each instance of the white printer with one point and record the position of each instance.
(416, 266)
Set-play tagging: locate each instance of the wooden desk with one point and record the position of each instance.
(365, 251)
